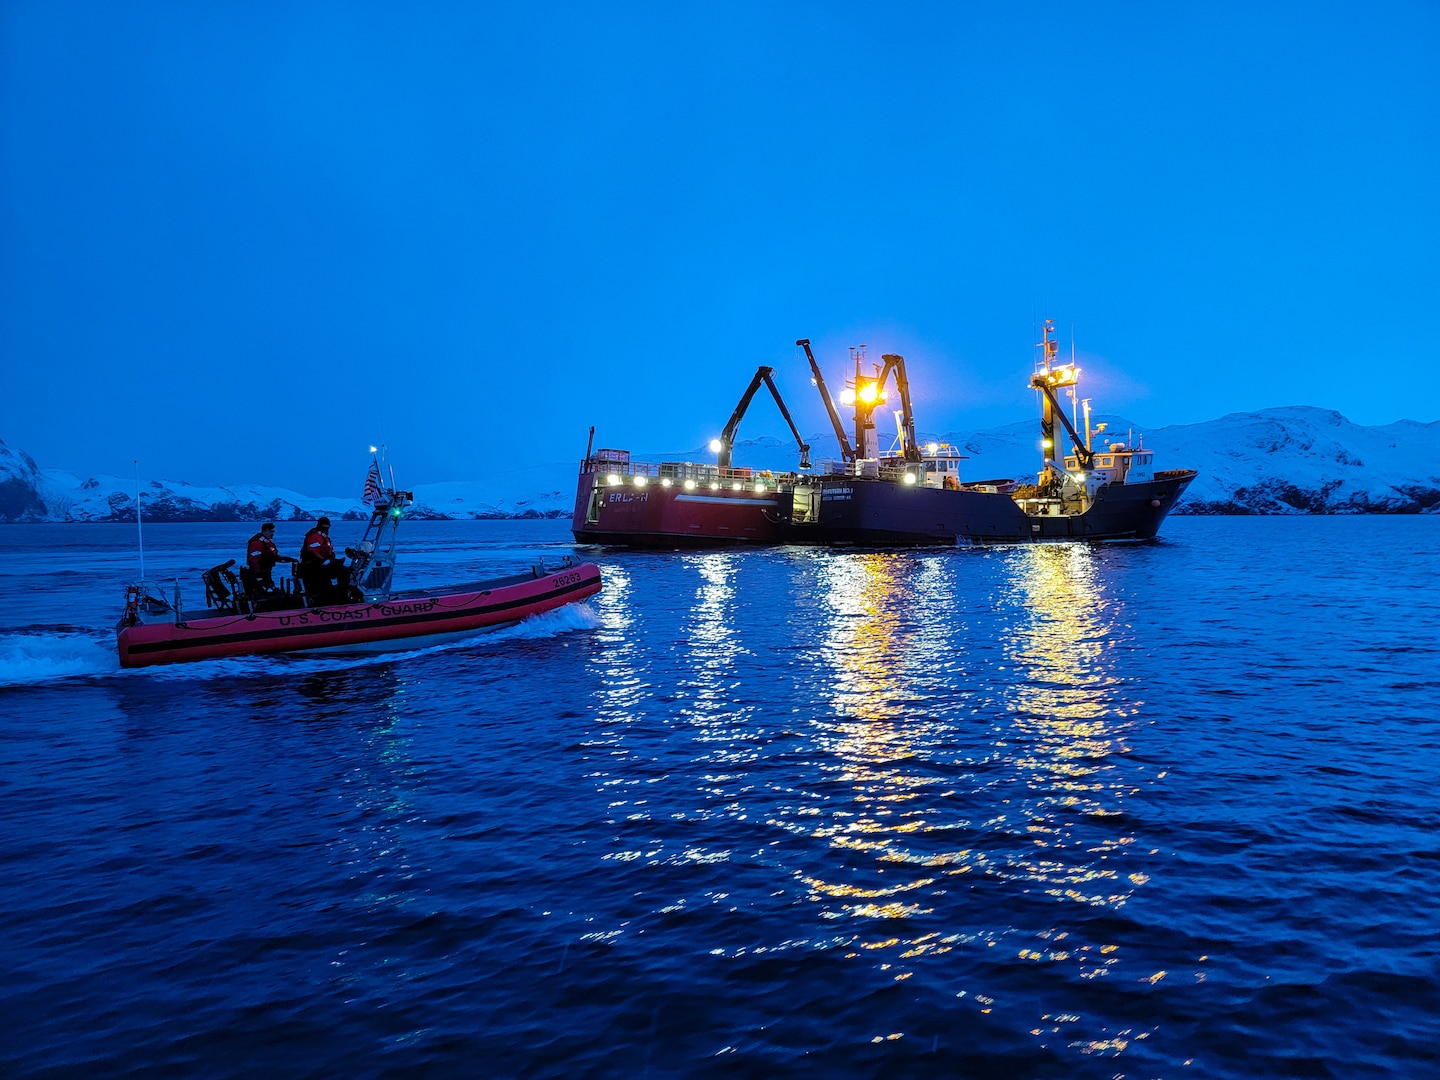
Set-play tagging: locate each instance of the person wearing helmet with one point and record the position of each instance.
(327, 579)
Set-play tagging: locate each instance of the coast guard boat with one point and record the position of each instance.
(907, 495)
(239, 619)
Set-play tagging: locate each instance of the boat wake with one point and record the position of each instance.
(548, 624)
(38, 656)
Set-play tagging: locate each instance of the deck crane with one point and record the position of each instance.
(897, 364)
(847, 452)
(727, 437)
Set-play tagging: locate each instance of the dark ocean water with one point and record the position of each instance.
(1153, 811)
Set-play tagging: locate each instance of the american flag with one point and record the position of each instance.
(372, 483)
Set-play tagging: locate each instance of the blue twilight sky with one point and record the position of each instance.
(241, 241)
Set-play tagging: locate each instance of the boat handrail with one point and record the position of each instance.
(701, 472)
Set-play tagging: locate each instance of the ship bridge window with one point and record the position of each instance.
(929, 466)
(1107, 460)
(1143, 459)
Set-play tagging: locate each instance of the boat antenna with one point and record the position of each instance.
(139, 529)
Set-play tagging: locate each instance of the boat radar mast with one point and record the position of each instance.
(1049, 378)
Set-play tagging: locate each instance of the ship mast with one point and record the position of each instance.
(865, 393)
(1050, 377)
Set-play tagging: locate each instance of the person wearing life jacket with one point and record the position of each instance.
(261, 555)
(327, 579)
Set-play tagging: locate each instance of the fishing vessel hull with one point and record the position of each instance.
(420, 618)
(863, 511)
(880, 513)
(661, 516)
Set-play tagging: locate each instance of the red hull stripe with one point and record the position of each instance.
(332, 627)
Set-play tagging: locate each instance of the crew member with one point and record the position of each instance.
(327, 579)
(261, 555)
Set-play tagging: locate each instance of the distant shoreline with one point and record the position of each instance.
(1192, 510)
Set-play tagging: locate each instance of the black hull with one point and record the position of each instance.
(881, 512)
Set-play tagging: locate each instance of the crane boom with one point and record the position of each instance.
(727, 437)
(897, 364)
(847, 452)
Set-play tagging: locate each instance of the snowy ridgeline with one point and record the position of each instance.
(1296, 460)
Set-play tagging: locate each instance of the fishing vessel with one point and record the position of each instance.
(907, 494)
(241, 619)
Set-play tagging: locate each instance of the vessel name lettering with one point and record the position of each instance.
(342, 616)
(836, 494)
(567, 579)
(629, 496)
(417, 608)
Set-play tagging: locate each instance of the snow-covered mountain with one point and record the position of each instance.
(1293, 460)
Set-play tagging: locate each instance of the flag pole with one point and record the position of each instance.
(139, 528)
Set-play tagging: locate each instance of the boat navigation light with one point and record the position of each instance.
(932, 448)
(735, 486)
(1046, 443)
(869, 393)
(641, 481)
(613, 479)
(689, 485)
(714, 486)
(716, 446)
(374, 450)
(847, 396)
(759, 486)
(665, 481)
(909, 478)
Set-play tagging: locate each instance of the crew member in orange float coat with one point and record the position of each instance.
(261, 555)
(327, 579)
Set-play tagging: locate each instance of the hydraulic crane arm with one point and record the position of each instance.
(1083, 454)
(847, 452)
(727, 437)
(897, 364)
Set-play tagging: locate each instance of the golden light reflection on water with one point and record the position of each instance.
(873, 644)
(1069, 725)
(952, 782)
(1040, 805)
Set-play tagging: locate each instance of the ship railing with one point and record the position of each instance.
(603, 467)
(678, 471)
(886, 468)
